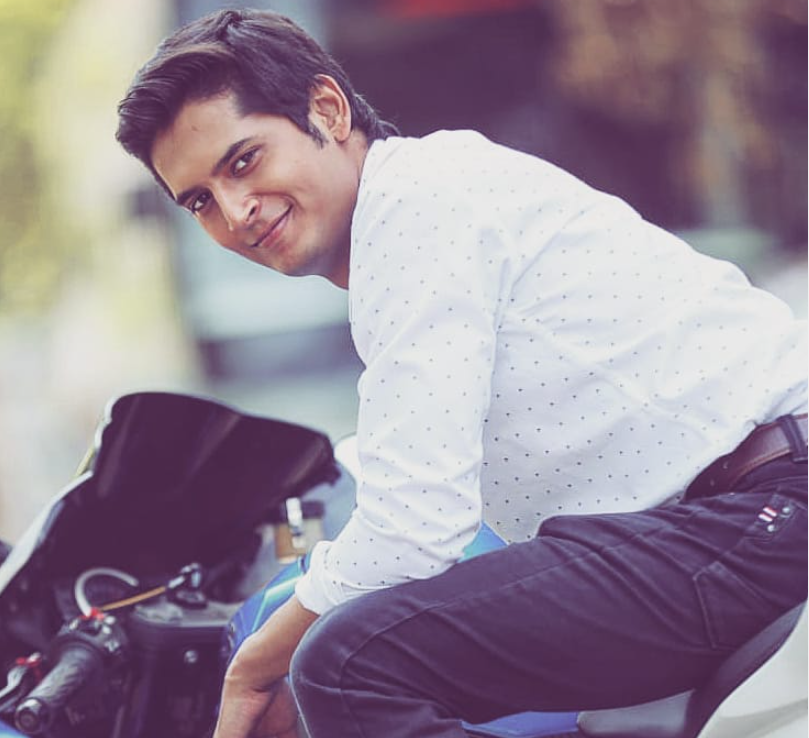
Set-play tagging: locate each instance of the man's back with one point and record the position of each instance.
(605, 336)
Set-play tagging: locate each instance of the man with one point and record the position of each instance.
(536, 354)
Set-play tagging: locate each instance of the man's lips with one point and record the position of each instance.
(273, 230)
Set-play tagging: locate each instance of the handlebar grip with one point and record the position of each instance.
(75, 664)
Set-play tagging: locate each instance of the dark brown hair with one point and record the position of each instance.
(269, 63)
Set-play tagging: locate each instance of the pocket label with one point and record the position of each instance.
(770, 515)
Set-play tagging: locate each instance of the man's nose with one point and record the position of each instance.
(239, 211)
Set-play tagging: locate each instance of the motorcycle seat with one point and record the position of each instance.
(685, 714)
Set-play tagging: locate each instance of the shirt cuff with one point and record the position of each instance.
(309, 589)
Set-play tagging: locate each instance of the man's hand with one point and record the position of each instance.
(273, 712)
(281, 718)
(256, 700)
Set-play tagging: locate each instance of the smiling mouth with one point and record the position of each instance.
(273, 231)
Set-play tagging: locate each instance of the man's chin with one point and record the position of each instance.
(338, 275)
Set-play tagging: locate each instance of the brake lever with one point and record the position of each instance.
(16, 686)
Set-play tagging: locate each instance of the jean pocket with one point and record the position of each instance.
(732, 610)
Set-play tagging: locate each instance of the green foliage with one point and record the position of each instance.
(27, 268)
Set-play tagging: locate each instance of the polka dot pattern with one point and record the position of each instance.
(532, 348)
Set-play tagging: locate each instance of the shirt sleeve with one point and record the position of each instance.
(425, 294)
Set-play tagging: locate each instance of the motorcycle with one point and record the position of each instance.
(122, 603)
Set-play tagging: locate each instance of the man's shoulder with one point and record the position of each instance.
(445, 160)
(442, 139)
(455, 155)
(462, 139)
(449, 149)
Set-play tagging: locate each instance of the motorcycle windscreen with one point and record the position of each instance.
(179, 478)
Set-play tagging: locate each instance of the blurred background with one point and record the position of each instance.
(695, 111)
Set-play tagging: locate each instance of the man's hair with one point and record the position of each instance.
(270, 65)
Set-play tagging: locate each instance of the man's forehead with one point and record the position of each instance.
(201, 132)
(206, 117)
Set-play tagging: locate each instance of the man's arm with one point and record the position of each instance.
(253, 692)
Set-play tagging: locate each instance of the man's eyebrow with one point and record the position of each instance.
(224, 159)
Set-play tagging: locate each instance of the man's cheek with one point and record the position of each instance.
(220, 233)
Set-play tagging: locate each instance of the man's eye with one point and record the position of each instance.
(243, 161)
(198, 204)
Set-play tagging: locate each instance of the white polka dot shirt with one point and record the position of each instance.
(533, 348)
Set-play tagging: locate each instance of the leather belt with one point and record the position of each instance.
(787, 435)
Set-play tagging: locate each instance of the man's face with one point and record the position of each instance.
(262, 187)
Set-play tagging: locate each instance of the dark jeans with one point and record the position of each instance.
(597, 611)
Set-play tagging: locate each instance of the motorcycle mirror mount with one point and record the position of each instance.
(297, 527)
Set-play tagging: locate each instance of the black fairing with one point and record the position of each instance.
(179, 478)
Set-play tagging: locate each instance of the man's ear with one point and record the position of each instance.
(330, 109)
